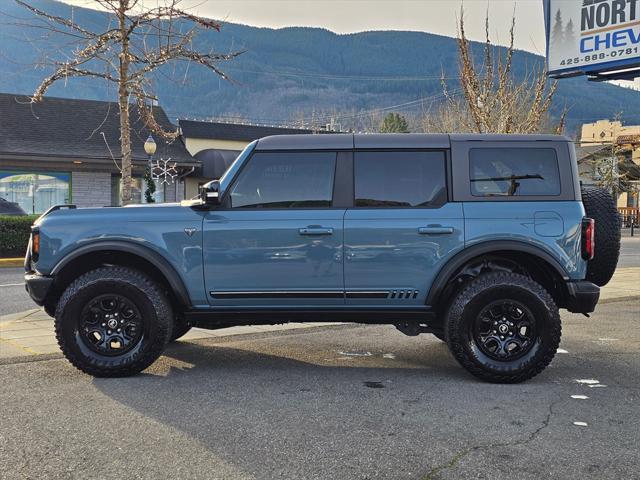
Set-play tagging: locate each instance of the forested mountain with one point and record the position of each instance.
(294, 73)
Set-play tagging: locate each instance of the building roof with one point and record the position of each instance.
(233, 131)
(630, 169)
(586, 151)
(69, 128)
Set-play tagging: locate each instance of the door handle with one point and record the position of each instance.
(315, 230)
(435, 230)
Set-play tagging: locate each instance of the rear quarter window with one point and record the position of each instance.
(514, 172)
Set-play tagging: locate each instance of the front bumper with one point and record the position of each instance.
(583, 297)
(37, 286)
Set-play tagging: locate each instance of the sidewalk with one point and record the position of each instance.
(624, 284)
(31, 332)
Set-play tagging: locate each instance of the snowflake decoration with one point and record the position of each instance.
(164, 172)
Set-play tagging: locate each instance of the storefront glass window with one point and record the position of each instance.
(35, 192)
(138, 187)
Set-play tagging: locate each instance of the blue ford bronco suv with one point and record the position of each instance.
(476, 239)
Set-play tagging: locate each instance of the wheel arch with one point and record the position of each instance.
(506, 249)
(122, 253)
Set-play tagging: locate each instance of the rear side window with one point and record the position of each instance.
(285, 180)
(514, 172)
(400, 179)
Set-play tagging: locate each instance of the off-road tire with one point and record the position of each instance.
(491, 287)
(599, 205)
(138, 288)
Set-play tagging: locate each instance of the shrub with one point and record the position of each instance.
(14, 234)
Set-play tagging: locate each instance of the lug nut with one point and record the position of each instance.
(109, 332)
(501, 337)
(118, 330)
(495, 331)
(102, 324)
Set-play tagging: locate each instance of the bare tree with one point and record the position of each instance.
(606, 169)
(490, 99)
(141, 41)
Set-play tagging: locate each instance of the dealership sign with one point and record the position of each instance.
(592, 36)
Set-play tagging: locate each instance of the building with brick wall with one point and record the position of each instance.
(68, 151)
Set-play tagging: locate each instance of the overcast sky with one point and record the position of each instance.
(346, 16)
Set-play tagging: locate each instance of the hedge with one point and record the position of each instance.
(14, 234)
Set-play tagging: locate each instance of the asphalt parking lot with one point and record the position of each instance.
(335, 402)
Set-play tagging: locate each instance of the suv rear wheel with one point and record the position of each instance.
(503, 327)
(113, 322)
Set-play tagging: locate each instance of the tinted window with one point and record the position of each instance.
(286, 180)
(399, 179)
(513, 172)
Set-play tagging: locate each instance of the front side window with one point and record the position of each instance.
(514, 172)
(285, 180)
(400, 179)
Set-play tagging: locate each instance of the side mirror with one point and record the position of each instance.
(209, 193)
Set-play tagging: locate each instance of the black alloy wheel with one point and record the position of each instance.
(505, 330)
(110, 324)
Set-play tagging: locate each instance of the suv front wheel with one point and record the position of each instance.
(113, 322)
(503, 327)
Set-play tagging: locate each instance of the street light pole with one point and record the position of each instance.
(149, 147)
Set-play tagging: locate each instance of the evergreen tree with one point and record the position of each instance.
(394, 123)
(557, 35)
(569, 36)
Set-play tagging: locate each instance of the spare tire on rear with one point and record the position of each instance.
(600, 205)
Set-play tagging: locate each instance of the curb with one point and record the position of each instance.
(11, 262)
(619, 299)
(12, 317)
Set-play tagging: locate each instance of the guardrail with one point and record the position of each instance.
(629, 217)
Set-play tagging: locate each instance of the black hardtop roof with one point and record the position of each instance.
(345, 141)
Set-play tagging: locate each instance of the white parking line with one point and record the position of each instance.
(11, 284)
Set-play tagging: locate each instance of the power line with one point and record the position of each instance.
(320, 118)
(340, 77)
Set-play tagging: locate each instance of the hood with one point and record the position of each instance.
(107, 216)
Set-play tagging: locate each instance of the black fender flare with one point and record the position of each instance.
(458, 261)
(153, 257)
